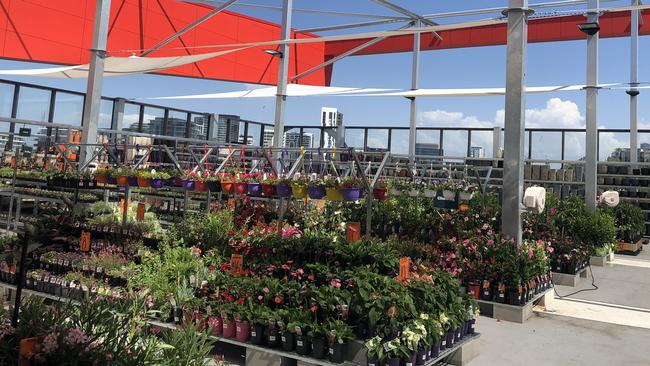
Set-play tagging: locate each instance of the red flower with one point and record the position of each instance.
(277, 299)
(313, 308)
(286, 267)
(240, 300)
(311, 277)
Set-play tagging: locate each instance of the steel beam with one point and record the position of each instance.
(92, 101)
(591, 156)
(513, 163)
(633, 92)
(283, 72)
(348, 53)
(352, 25)
(409, 14)
(415, 70)
(189, 27)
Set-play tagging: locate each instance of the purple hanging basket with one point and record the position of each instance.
(157, 183)
(111, 180)
(254, 189)
(188, 184)
(133, 180)
(351, 194)
(283, 191)
(316, 193)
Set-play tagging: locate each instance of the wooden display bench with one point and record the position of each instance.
(515, 313)
(630, 248)
(571, 280)
(601, 261)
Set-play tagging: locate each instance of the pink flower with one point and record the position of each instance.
(260, 297)
(286, 267)
(149, 301)
(531, 253)
(277, 299)
(266, 290)
(50, 342)
(300, 272)
(336, 283)
(313, 308)
(76, 336)
(490, 242)
(550, 249)
(552, 211)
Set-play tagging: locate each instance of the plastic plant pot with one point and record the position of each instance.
(157, 183)
(214, 186)
(435, 350)
(392, 362)
(272, 338)
(243, 331)
(257, 334)
(254, 189)
(227, 187)
(133, 180)
(143, 182)
(319, 348)
(316, 193)
(299, 191)
(229, 329)
(123, 181)
(421, 357)
(430, 193)
(475, 290)
(111, 180)
(380, 193)
(303, 345)
(373, 361)
(411, 360)
(351, 194)
(449, 195)
(200, 186)
(288, 341)
(101, 178)
(189, 184)
(449, 337)
(457, 335)
(283, 190)
(268, 190)
(336, 352)
(241, 188)
(333, 194)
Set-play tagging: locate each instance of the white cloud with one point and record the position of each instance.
(558, 113)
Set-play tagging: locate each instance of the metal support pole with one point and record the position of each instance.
(283, 72)
(496, 142)
(591, 156)
(414, 85)
(22, 271)
(513, 164)
(634, 79)
(92, 102)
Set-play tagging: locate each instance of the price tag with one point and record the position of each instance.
(84, 244)
(404, 267)
(353, 232)
(140, 213)
(237, 263)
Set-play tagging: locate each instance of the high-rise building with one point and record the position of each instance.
(477, 152)
(292, 139)
(225, 129)
(267, 139)
(425, 149)
(331, 117)
(249, 140)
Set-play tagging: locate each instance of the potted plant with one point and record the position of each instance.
(240, 186)
(259, 319)
(333, 188)
(102, 174)
(375, 355)
(283, 188)
(338, 335)
(158, 178)
(228, 320)
(243, 317)
(268, 186)
(351, 188)
(254, 186)
(227, 183)
(299, 187)
(143, 178)
(318, 341)
(272, 330)
(287, 336)
(466, 191)
(316, 188)
(188, 182)
(380, 191)
(449, 190)
(200, 183)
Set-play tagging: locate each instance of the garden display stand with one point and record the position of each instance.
(515, 313)
(630, 248)
(571, 280)
(601, 261)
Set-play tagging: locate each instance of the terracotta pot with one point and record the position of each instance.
(241, 188)
(144, 182)
(123, 181)
(227, 187)
(380, 193)
(200, 186)
(101, 178)
(268, 190)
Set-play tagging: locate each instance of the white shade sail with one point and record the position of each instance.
(296, 90)
(119, 66)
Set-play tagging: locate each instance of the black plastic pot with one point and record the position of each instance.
(410, 361)
(471, 329)
(272, 338)
(392, 362)
(288, 341)
(486, 291)
(303, 345)
(177, 314)
(257, 334)
(514, 297)
(457, 335)
(435, 350)
(450, 337)
(373, 361)
(336, 352)
(421, 357)
(318, 348)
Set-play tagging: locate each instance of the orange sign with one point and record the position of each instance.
(463, 207)
(231, 204)
(124, 206)
(353, 232)
(84, 243)
(140, 214)
(237, 263)
(404, 267)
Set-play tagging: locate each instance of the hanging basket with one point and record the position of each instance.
(200, 186)
(214, 186)
(123, 181)
(189, 184)
(241, 188)
(316, 193)
(144, 182)
(227, 187)
(333, 194)
(283, 190)
(351, 194)
(111, 180)
(254, 189)
(380, 193)
(299, 191)
(268, 190)
(101, 178)
(157, 183)
(466, 196)
(133, 180)
(449, 195)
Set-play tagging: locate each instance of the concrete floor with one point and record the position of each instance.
(608, 326)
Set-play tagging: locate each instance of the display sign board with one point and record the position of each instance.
(353, 232)
(404, 267)
(84, 243)
(24, 131)
(140, 214)
(237, 263)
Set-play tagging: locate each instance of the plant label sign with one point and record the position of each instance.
(84, 243)
(404, 267)
(353, 232)
(237, 263)
(140, 213)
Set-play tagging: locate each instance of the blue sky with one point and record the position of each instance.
(560, 63)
